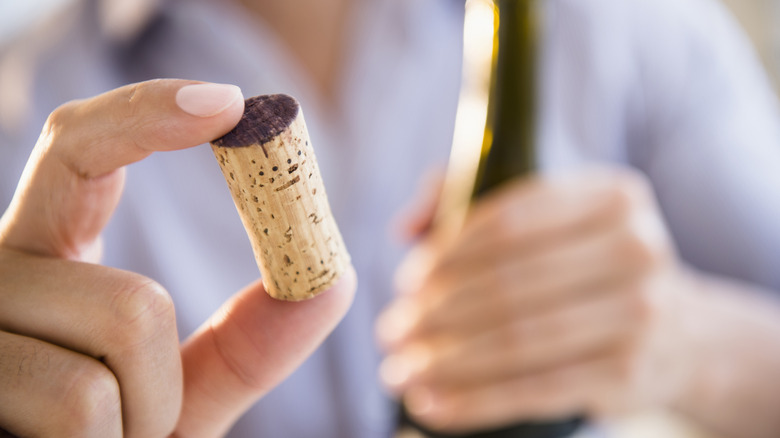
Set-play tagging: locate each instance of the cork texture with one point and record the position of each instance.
(275, 182)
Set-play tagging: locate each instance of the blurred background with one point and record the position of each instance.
(16, 15)
(759, 17)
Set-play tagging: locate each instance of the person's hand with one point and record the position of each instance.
(86, 350)
(557, 298)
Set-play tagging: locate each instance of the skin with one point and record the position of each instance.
(637, 330)
(564, 296)
(88, 350)
(92, 351)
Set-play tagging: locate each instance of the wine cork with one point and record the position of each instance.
(269, 165)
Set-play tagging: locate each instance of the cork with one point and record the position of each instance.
(272, 172)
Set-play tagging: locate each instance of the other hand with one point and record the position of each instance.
(561, 296)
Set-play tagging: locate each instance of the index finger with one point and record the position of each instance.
(71, 185)
(96, 136)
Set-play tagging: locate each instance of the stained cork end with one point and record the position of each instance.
(272, 172)
(265, 117)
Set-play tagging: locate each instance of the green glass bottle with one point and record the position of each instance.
(509, 152)
(509, 144)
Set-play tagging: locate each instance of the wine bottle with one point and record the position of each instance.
(508, 152)
(508, 146)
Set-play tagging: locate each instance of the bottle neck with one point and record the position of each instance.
(508, 149)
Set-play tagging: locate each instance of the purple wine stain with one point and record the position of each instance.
(264, 118)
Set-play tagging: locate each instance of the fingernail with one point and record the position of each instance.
(420, 401)
(414, 270)
(397, 370)
(396, 323)
(206, 100)
(394, 372)
(426, 405)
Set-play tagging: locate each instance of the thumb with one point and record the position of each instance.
(247, 348)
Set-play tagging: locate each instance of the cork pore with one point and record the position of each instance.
(279, 193)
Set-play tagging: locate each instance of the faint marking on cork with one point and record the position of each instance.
(288, 184)
(323, 283)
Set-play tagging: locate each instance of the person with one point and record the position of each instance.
(645, 281)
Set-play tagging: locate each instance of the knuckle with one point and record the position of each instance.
(131, 112)
(135, 114)
(501, 219)
(641, 304)
(58, 119)
(625, 193)
(134, 96)
(633, 183)
(620, 203)
(143, 308)
(639, 250)
(56, 128)
(92, 400)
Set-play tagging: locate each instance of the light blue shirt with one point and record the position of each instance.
(669, 87)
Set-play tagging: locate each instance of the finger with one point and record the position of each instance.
(521, 218)
(249, 347)
(47, 390)
(563, 392)
(471, 299)
(552, 207)
(416, 219)
(120, 318)
(71, 184)
(521, 347)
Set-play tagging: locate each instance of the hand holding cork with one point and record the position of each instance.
(129, 357)
(269, 164)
